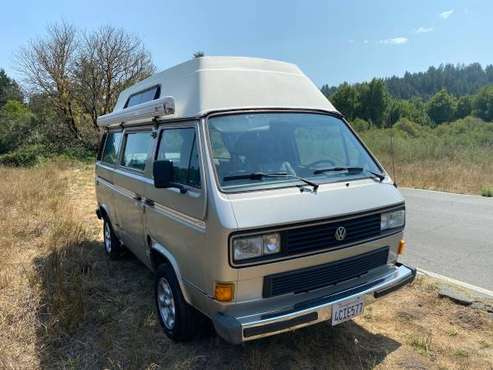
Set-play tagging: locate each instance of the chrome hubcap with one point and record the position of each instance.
(107, 237)
(166, 303)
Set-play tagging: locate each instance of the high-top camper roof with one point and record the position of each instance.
(203, 85)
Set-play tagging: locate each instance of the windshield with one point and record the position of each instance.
(296, 144)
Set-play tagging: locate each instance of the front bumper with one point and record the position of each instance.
(253, 326)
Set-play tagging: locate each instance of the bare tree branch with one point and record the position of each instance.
(83, 74)
(109, 61)
(47, 65)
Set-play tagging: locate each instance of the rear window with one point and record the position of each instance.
(136, 150)
(111, 147)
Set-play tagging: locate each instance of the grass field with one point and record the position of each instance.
(455, 157)
(63, 305)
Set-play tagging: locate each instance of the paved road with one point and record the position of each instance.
(450, 234)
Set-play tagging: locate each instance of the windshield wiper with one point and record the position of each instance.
(261, 175)
(350, 170)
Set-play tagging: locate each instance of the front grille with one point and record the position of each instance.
(322, 236)
(323, 275)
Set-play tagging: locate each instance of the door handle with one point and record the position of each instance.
(137, 197)
(149, 202)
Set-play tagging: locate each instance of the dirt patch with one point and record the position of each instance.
(469, 319)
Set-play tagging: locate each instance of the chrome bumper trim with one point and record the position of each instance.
(246, 328)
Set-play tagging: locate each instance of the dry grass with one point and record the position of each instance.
(445, 175)
(63, 305)
(455, 157)
(38, 224)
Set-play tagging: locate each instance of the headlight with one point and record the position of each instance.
(391, 220)
(272, 243)
(256, 246)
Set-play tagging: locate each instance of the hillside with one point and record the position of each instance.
(439, 95)
(458, 80)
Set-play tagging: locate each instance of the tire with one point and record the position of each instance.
(178, 319)
(112, 246)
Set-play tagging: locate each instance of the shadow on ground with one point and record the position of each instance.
(97, 313)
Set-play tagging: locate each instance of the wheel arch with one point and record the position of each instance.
(159, 254)
(104, 212)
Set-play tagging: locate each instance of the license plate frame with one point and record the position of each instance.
(347, 310)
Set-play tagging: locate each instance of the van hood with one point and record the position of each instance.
(290, 205)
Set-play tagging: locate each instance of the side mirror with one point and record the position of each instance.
(163, 174)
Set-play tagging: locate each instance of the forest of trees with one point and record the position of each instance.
(439, 95)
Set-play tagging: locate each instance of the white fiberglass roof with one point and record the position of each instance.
(208, 84)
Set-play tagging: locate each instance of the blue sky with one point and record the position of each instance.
(332, 41)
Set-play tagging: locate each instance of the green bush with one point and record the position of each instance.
(469, 140)
(487, 191)
(441, 107)
(24, 156)
(15, 121)
(30, 155)
(483, 103)
(408, 127)
(360, 125)
(78, 153)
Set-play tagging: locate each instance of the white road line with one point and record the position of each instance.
(457, 282)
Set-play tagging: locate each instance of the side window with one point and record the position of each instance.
(101, 146)
(111, 147)
(179, 145)
(143, 96)
(136, 149)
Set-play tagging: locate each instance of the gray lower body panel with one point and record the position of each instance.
(253, 326)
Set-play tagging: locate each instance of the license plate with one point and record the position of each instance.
(346, 310)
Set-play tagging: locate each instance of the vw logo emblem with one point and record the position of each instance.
(340, 233)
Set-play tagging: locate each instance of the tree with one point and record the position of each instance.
(345, 99)
(198, 54)
(441, 107)
(373, 101)
(15, 122)
(48, 66)
(483, 104)
(82, 75)
(327, 91)
(395, 110)
(464, 107)
(108, 61)
(413, 109)
(458, 80)
(367, 101)
(9, 89)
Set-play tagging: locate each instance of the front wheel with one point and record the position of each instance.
(178, 319)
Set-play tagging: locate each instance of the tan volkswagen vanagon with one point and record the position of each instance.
(250, 197)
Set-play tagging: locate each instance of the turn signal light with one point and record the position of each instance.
(224, 292)
(402, 247)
